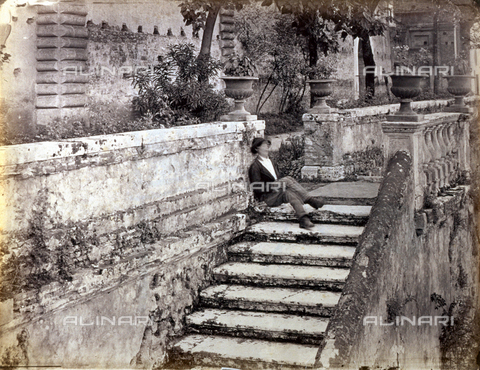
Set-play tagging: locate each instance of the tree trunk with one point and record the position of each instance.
(368, 61)
(204, 54)
(312, 60)
(312, 51)
(208, 31)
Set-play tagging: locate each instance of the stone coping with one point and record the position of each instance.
(379, 109)
(428, 121)
(41, 151)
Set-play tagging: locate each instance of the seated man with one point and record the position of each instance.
(268, 187)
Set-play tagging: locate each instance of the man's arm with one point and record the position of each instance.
(279, 174)
(254, 173)
(256, 183)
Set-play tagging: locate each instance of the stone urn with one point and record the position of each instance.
(459, 86)
(319, 90)
(239, 89)
(406, 87)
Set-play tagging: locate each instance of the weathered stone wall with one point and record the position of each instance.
(115, 52)
(53, 56)
(163, 15)
(406, 268)
(17, 89)
(117, 225)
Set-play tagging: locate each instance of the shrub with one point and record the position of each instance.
(281, 123)
(178, 90)
(59, 130)
(290, 156)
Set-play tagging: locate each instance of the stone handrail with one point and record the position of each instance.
(400, 274)
(439, 150)
(390, 210)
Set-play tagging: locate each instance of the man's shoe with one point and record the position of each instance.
(315, 202)
(305, 223)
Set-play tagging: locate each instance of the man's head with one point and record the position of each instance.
(260, 146)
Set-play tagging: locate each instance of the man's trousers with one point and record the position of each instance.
(288, 191)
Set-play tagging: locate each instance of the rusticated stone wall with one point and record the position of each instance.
(117, 226)
(61, 54)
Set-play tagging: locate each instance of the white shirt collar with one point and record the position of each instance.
(267, 163)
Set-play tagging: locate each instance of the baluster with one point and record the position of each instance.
(455, 129)
(438, 158)
(428, 175)
(448, 159)
(444, 149)
(451, 150)
(431, 164)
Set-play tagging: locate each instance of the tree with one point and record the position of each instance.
(362, 22)
(202, 14)
(309, 22)
(350, 17)
(267, 38)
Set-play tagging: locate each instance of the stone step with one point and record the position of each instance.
(292, 253)
(329, 213)
(348, 193)
(259, 325)
(270, 299)
(321, 233)
(241, 353)
(314, 277)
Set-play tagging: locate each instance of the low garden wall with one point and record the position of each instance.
(107, 240)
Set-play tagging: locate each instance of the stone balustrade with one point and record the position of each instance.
(439, 146)
(333, 141)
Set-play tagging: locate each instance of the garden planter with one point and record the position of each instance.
(239, 89)
(459, 86)
(406, 87)
(319, 90)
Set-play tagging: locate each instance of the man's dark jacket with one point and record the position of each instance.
(258, 175)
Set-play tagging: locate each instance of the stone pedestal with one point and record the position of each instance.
(405, 118)
(456, 109)
(323, 153)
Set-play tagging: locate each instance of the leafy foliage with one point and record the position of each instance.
(281, 123)
(268, 39)
(281, 54)
(322, 19)
(404, 57)
(177, 90)
(320, 22)
(324, 69)
(195, 12)
(461, 65)
(238, 65)
(290, 156)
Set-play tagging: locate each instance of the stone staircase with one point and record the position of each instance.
(273, 298)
